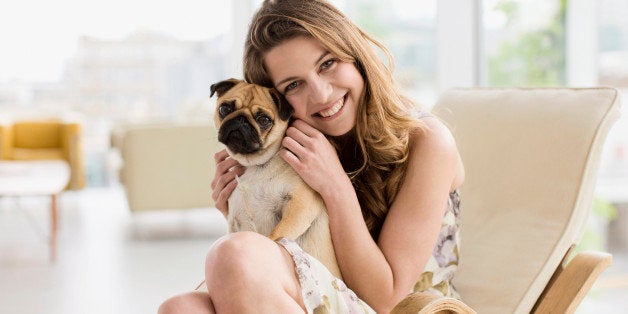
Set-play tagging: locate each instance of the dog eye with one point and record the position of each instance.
(225, 109)
(263, 121)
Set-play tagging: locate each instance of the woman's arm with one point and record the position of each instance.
(382, 273)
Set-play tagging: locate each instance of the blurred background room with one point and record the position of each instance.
(136, 220)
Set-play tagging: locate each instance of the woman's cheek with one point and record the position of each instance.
(299, 109)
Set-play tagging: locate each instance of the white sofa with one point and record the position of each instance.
(166, 166)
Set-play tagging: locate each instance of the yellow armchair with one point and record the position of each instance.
(45, 139)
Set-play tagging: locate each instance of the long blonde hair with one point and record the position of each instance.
(383, 122)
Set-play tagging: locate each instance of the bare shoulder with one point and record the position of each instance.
(435, 137)
(435, 145)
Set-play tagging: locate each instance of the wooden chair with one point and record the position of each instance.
(531, 159)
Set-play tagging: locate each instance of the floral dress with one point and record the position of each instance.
(324, 293)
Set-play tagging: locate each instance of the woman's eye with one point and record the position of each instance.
(225, 109)
(291, 86)
(263, 121)
(327, 64)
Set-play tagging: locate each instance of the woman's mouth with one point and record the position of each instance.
(333, 110)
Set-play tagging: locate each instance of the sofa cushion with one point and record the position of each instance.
(37, 153)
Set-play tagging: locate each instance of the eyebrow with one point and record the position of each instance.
(323, 55)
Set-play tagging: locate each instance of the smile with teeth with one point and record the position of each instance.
(333, 110)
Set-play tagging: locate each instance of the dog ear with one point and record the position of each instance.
(223, 86)
(283, 106)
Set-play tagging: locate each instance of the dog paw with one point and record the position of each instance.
(275, 237)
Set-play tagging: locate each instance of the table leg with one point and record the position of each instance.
(53, 227)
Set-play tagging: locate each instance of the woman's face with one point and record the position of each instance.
(323, 91)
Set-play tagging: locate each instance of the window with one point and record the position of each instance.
(407, 29)
(613, 43)
(612, 70)
(523, 42)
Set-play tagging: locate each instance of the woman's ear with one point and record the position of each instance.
(223, 86)
(283, 106)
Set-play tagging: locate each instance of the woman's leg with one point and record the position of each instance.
(248, 273)
(191, 302)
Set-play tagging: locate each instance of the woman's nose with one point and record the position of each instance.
(320, 91)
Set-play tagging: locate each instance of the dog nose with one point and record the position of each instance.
(241, 120)
(240, 136)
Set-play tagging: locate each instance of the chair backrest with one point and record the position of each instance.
(531, 157)
(37, 134)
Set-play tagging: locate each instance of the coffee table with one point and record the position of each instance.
(36, 178)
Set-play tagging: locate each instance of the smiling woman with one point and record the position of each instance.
(313, 84)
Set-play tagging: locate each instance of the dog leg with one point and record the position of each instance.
(297, 214)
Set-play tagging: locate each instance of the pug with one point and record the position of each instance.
(270, 198)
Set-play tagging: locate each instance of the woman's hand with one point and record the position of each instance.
(227, 169)
(313, 157)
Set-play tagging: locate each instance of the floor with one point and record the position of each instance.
(110, 261)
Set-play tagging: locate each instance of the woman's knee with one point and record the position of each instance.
(171, 305)
(244, 256)
(192, 302)
(249, 266)
(234, 253)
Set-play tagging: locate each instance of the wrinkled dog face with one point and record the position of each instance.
(251, 120)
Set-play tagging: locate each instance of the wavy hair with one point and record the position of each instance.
(376, 159)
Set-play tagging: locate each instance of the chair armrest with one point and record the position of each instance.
(72, 149)
(424, 303)
(571, 282)
(6, 142)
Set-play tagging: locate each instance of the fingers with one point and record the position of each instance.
(224, 164)
(225, 179)
(303, 140)
(224, 182)
(221, 201)
(301, 135)
(289, 157)
(221, 155)
(294, 147)
(298, 137)
(305, 128)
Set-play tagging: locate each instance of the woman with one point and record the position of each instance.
(388, 175)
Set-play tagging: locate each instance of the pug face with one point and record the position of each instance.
(251, 120)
